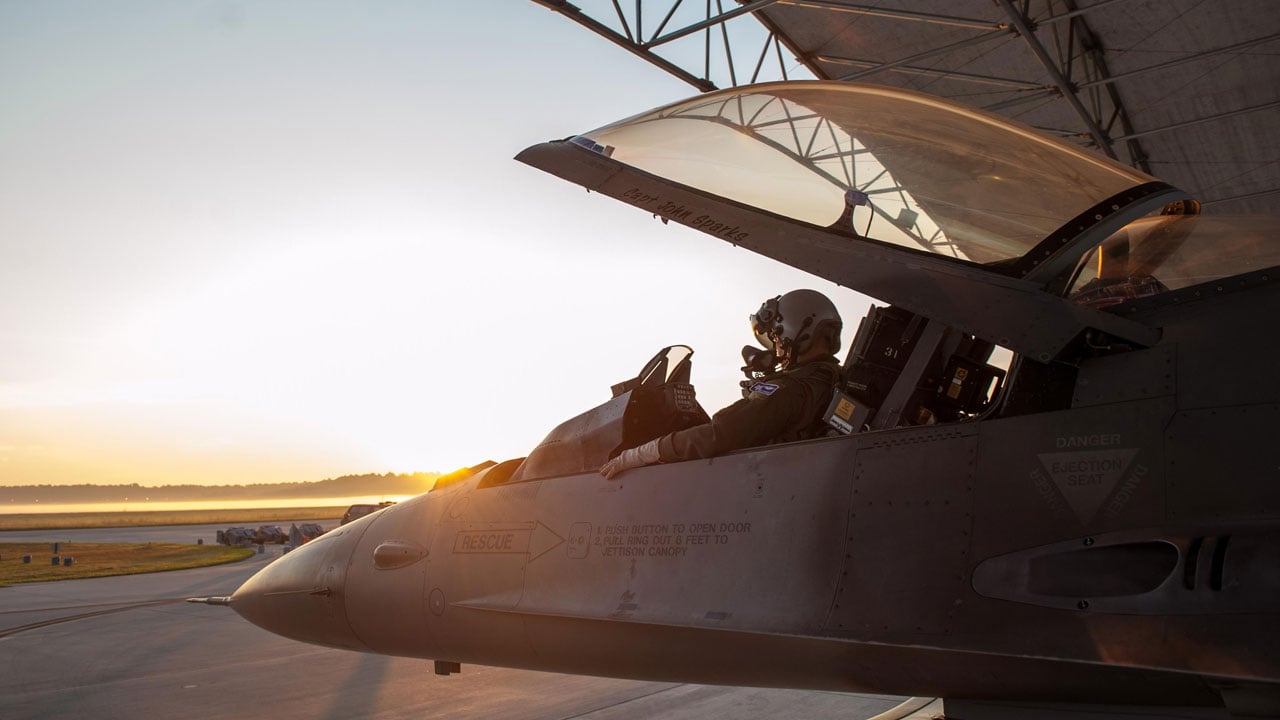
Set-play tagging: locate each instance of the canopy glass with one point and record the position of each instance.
(892, 165)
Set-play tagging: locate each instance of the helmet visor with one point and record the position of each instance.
(766, 322)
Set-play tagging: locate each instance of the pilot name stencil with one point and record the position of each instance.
(710, 225)
(669, 210)
(636, 196)
(657, 540)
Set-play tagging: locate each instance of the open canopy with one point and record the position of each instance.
(961, 216)
(913, 170)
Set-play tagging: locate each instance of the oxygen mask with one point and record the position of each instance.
(758, 361)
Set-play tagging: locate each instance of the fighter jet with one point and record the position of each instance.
(1091, 527)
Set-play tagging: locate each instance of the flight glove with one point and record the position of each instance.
(646, 454)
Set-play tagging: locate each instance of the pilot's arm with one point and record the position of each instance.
(764, 416)
(775, 410)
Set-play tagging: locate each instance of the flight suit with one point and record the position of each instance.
(782, 407)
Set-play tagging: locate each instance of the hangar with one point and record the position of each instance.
(1186, 90)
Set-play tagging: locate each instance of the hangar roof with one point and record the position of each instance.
(1186, 90)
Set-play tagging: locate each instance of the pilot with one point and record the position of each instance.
(801, 330)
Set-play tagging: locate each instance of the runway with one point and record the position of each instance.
(128, 648)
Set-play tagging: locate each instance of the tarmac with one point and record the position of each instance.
(128, 647)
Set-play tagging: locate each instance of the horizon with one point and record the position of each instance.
(434, 474)
(338, 491)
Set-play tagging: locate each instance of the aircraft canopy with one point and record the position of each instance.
(915, 171)
(973, 220)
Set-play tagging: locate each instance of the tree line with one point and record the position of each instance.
(344, 486)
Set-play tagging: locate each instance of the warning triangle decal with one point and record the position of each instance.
(1087, 477)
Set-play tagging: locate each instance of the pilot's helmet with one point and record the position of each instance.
(790, 324)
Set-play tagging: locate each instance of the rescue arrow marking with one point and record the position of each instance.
(544, 540)
(533, 541)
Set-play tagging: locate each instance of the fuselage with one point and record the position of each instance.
(1119, 548)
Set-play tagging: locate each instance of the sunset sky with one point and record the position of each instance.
(285, 240)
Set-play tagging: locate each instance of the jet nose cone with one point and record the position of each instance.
(301, 595)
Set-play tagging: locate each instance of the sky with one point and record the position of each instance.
(282, 241)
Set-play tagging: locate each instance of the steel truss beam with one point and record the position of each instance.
(1246, 196)
(1077, 75)
(710, 22)
(1076, 12)
(1174, 63)
(941, 50)
(1068, 91)
(1080, 33)
(1069, 28)
(816, 143)
(1200, 120)
(898, 14)
(933, 72)
(632, 38)
(627, 42)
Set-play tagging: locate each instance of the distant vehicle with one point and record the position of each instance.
(244, 537)
(270, 534)
(237, 536)
(359, 510)
(310, 531)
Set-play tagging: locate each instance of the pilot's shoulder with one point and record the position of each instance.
(818, 371)
(809, 375)
(766, 387)
(815, 379)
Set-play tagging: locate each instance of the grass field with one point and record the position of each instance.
(66, 521)
(103, 559)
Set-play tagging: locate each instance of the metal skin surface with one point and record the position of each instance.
(1115, 545)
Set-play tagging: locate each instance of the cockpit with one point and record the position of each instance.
(996, 249)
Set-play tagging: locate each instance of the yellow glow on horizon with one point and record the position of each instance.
(143, 505)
